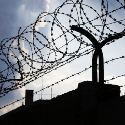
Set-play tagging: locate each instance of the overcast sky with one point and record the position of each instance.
(17, 14)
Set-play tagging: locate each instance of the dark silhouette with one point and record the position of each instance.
(92, 103)
(98, 51)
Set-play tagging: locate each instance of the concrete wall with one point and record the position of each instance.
(89, 104)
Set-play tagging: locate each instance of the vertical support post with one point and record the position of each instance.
(98, 53)
(51, 92)
(101, 67)
(42, 88)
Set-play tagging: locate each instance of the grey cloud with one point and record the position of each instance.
(10, 21)
(36, 5)
(8, 10)
(11, 18)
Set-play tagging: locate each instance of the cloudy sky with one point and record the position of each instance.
(15, 14)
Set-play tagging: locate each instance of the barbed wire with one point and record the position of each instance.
(46, 64)
(106, 62)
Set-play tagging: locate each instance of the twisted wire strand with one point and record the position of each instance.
(106, 62)
(48, 65)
